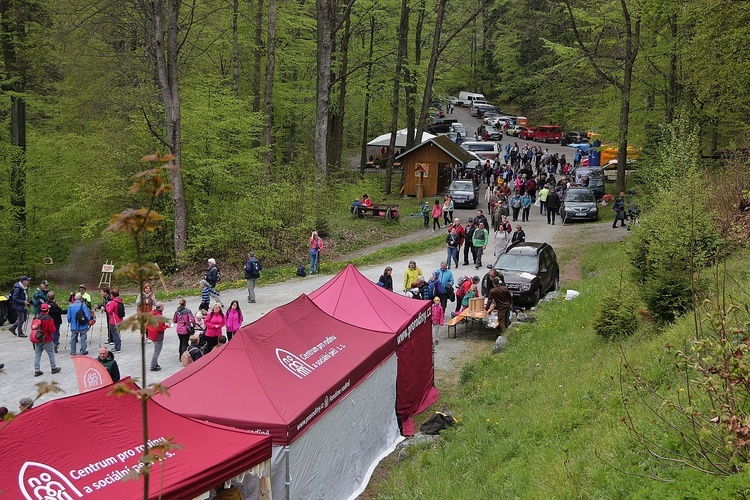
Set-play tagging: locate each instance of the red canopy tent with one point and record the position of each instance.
(324, 390)
(356, 300)
(83, 445)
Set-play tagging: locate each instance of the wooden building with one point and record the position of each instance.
(428, 166)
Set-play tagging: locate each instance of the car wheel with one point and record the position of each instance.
(556, 282)
(537, 297)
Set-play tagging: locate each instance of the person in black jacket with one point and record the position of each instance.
(386, 280)
(553, 205)
(519, 235)
(56, 313)
(468, 245)
(108, 360)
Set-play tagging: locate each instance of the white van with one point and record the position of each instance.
(468, 98)
(486, 149)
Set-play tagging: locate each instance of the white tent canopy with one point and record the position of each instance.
(384, 140)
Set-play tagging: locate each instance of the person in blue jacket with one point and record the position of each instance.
(78, 319)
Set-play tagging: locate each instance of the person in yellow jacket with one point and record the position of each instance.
(411, 275)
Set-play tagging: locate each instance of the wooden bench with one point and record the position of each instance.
(475, 312)
(387, 211)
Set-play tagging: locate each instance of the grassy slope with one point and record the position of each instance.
(543, 418)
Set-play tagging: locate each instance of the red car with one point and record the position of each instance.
(526, 133)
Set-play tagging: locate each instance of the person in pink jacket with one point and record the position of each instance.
(438, 318)
(437, 212)
(234, 319)
(113, 313)
(316, 246)
(214, 323)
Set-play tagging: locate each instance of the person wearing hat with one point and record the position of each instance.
(46, 345)
(85, 296)
(79, 324)
(19, 302)
(40, 296)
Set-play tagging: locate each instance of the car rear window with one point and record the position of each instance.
(481, 147)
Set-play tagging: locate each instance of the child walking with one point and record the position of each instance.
(437, 212)
(438, 319)
(234, 319)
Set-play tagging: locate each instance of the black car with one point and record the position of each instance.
(574, 138)
(464, 193)
(530, 270)
(579, 204)
(494, 134)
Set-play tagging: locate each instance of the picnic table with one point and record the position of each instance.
(388, 211)
(475, 312)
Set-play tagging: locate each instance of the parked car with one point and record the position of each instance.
(527, 133)
(6, 311)
(441, 125)
(589, 177)
(548, 133)
(490, 117)
(458, 127)
(574, 137)
(494, 134)
(478, 109)
(579, 204)
(453, 100)
(610, 169)
(464, 193)
(486, 149)
(515, 130)
(476, 162)
(530, 270)
(467, 98)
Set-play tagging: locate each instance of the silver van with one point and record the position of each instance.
(486, 149)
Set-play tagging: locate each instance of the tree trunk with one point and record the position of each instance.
(336, 134)
(235, 52)
(325, 13)
(672, 77)
(257, 54)
(268, 142)
(632, 40)
(403, 40)
(410, 80)
(366, 118)
(167, 75)
(431, 67)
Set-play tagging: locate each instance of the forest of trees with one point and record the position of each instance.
(265, 105)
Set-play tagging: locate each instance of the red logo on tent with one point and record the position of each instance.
(293, 363)
(39, 481)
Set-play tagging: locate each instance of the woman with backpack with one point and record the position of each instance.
(115, 312)
(184, 324)
(234, 319)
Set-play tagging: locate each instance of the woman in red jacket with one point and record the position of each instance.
(156, 335)
(214, 323)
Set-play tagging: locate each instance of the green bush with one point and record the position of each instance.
(668, 294)
(615, 316)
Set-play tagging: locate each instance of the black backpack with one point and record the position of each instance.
(81, 317)
(301, 271)
(437, 423)
(121, 310)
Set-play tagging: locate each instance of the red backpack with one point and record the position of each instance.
(37, 335)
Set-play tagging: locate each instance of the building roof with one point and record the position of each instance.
(446, 144)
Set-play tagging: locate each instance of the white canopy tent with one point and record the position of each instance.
(384, 140)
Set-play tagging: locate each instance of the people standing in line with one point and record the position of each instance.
(233, 319)
(501, 299)
(386, 279)
(19, 302)
(453, 241)
(47, 328)
(146, 299)
(412, 273)
(114, 319)
(515, 205)
(519, 236)
(156, 335)
(543, 193)
(468, 242)
(185, 324)
(619, 208)
(106, 297)
(316, 246)
(40, 296)
(502, 236)
(56, 312)
(79, 324)
(553, 205)
(107, 359)
(525, 206)
(436, 212)
(448, 210)
(446, 283)
(213, 276)
(214, 323)
(252, 273)
(426, 214)
(479, 241)
(438, 319)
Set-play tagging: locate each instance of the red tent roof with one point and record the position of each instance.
(280, 373)
(353, 298)
(88, 442)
